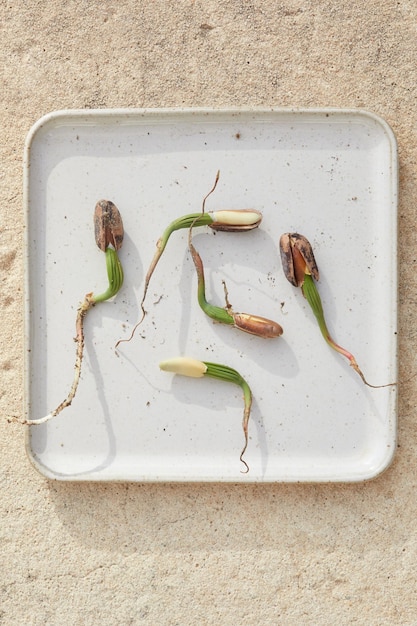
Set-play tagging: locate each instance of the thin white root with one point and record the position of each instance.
(84, 307)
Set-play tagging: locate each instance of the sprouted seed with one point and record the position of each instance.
(196, 369)
(223, 220)
(108, 229)
(253, 324)
(300, 269)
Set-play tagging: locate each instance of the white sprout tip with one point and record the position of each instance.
(185, 366)
(238, 217)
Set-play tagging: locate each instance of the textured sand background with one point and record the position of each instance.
(205, 554)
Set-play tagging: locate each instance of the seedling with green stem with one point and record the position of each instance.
(196, 369)
(300, 269)
(108, 230)
(253, 324)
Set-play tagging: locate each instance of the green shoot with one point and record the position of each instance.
(300, 269)
(196, 369)
(109, 233)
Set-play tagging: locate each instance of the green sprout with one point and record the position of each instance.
(108, 228)
(238, 220)
(301, 270)
(253, 324)
(196, 369)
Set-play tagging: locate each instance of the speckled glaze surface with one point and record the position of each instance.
(330, 174)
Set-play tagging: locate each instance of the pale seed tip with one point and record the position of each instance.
(240, 217)
(185, 366)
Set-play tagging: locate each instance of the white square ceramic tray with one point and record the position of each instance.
(328, 174)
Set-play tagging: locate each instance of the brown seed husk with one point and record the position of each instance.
(255, 325)
(108, 225)
(304, 247)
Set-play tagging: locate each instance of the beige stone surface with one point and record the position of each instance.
(88, 554)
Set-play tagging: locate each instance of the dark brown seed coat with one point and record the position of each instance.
(108, 225)
(296, 254)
